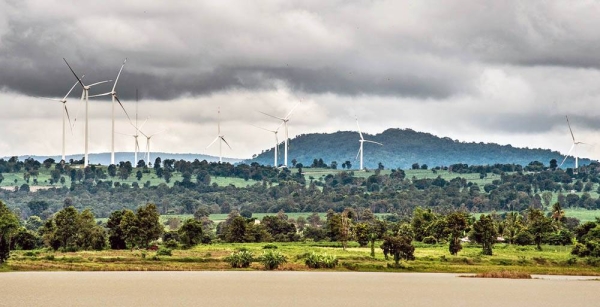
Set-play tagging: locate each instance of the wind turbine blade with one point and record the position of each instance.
(359, 132)
(292, 110)
(74, 85)
(144, 123)
(46, 98)
(212, 142)
(140, 131)
(68, 117)
(222, 138)
(373, 142)
(122, 107)
(571, 130)
(106, 81)
(99, 95)
(118, 75)
(567, 155)
(262, 128)
(357, 154)
(74, 74)
(279, 118)
(157, 133)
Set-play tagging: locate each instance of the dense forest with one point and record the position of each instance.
(403, 147)
(502, 187)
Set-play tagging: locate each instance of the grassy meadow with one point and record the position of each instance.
(553, 260)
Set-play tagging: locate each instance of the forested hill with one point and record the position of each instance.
(403, 147)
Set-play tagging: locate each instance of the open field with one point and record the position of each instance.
(43, 180)
(553, 260)
(287, 289)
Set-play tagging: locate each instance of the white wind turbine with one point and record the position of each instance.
(362, 141)
(65, 117)
(575, 143)
(113, 94)
(136, 145)
(276, 141)
(220, 138)
(148, 137)
(85, 95)
(285, 121)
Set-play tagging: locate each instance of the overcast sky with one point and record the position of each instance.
(486, 71)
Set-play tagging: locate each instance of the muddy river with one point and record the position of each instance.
(288, 289)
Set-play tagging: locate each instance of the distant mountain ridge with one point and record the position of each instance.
(403, 147)
(104, 158)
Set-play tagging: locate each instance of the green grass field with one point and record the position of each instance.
(43, 180)
(429, 258)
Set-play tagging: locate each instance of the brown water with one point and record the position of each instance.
(287, 289)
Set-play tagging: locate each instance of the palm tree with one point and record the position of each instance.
(557, 215)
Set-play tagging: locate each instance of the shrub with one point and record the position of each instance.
(270, 246)
(272, 259)
(429, 240)
(316, 261)
(524, 238)
(172, 244)
(240, 259)
(163, 251)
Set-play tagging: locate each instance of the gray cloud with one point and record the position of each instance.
(504, 72)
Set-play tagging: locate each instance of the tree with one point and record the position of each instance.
(484, 232)
(553, 164)
(139, 175)
(38, 206)
(456, 224)
(557, 215)
(9, 224)
(129, 227)
(116, 235)
(67, 223)
(399, 245)
(191, 233)
(149, 226)
(112, 170)
(236, 230)
(348, 164)
(538, 225)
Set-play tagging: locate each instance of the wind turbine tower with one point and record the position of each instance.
(114, 96)
(276, 142)
(220, 137)
(64, 117)
(573, 147)
(85, 95)
(362, 142)
(285, 121)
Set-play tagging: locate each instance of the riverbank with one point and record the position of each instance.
(552, 260)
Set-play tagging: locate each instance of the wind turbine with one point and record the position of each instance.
(85, 95)
(113, 93)
(362, 141)
(65, 116)
(276, 141)
(148, 143)
(285, 121)
(136, 145)
(575, 143)
(220, 138)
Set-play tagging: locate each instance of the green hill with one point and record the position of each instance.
(403, 147)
